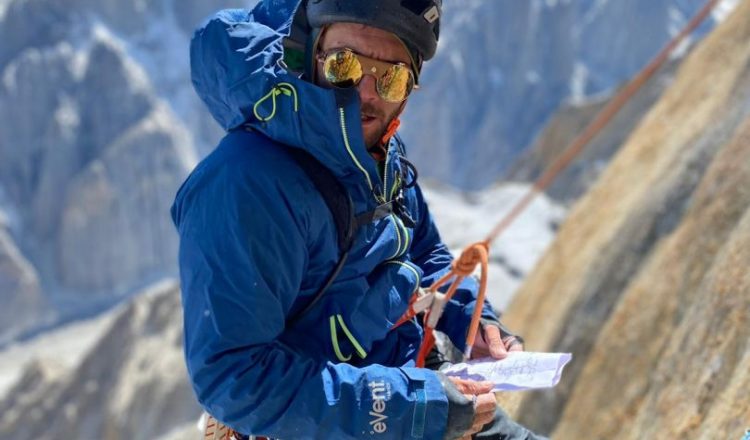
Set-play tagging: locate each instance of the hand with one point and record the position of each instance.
(489, 342)
(484, 403)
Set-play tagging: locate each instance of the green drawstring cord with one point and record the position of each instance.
(280, 88)
(335, 339)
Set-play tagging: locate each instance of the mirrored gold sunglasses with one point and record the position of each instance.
(343, 68)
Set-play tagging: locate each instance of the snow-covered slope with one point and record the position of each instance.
(23, 303)
(62, 349)
(131, 384)
(100, 127)
(467, 218)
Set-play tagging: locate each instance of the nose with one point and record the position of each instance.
(367, 89)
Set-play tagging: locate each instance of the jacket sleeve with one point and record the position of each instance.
(242, 258)
(433, 257)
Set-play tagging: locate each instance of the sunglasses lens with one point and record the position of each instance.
(342, 69)
(396, 83)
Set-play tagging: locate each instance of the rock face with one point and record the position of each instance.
(132, 385)
(647, 281)
(505, 67)
(569, 122)
(92, 167)
(92, 153)
(100, 122)
(23, 303)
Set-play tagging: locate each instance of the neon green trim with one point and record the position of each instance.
(290, 91)
(385, 177)
(401, 263)
(398, 236)
(342, 118)
(395, 187)
(335, 341)
(280, 88)
(272, 95)
(360, 351)
(407, 238)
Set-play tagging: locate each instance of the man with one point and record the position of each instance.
(286, 336)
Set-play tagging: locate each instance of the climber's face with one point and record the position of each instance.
(377, 45)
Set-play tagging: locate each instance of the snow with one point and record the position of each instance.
(464, 219)
(533, 77)
(593, 13)
(67, 116)
(64, 346)
(162, 52)
(578, 82)
(139, 78)
(3, 7)
(676, 21)
(9, 78)
(457, 62)
(723, 9)
(682, 49)
(184, 432)
(8, 214)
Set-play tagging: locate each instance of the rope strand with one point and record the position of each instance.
(478, 253)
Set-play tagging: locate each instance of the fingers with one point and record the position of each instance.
(479, 350)
(471, 387)
(484, 412)
(485, 404)
(482, 420)
(512, 343)
(495, 342)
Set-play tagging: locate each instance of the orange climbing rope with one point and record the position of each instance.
(477, 253)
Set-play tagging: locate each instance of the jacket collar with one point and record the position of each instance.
(237, 69)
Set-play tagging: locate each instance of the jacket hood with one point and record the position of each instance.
(238, 72)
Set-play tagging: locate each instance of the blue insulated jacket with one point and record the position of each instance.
(257, 240)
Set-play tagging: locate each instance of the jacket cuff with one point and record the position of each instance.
(430, 417)
(460, 410)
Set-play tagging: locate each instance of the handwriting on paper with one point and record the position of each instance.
(519, 371)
